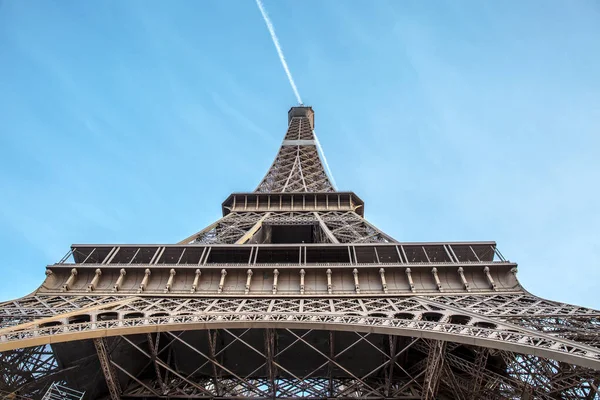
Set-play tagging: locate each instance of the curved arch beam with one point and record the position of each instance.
(519, 342)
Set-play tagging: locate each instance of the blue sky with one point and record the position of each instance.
(130, 122)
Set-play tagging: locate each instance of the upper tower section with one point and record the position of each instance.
(302, 112)
(297, 166)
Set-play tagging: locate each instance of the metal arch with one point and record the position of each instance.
(577, 383)
(520, 342)
(576, 324)
(26, 310)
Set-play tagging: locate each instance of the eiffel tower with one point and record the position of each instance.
(294, 294)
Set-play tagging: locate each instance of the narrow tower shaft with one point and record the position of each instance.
(297, 166)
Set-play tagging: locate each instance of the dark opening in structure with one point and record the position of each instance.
(284, 255)
(78, 319)
(229, 255)
(327, 255)
(291, 234)
(107, 316)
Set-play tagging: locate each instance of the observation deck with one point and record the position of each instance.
(315, 269)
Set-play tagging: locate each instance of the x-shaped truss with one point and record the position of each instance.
(274, 375)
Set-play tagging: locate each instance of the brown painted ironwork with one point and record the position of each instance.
(294, 294)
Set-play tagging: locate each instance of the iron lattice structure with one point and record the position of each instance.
(293, 294)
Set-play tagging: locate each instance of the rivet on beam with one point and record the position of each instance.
(144, 280)
(329, 286)
(70, 281)
(196, 280)
(461, 272)
(122, 274)
(248, 280)
(275, 277)
(222, 281)
(95, 280)
(356, 284)
(383, 282)
(169, 285)
(434, 271)
(410, 280)
(302, 273)
(486, 271)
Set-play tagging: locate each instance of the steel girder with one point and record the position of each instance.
(110, 375)
(577, 323)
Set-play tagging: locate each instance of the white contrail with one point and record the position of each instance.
(322, 153)
(271, 29)
(278, 47)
